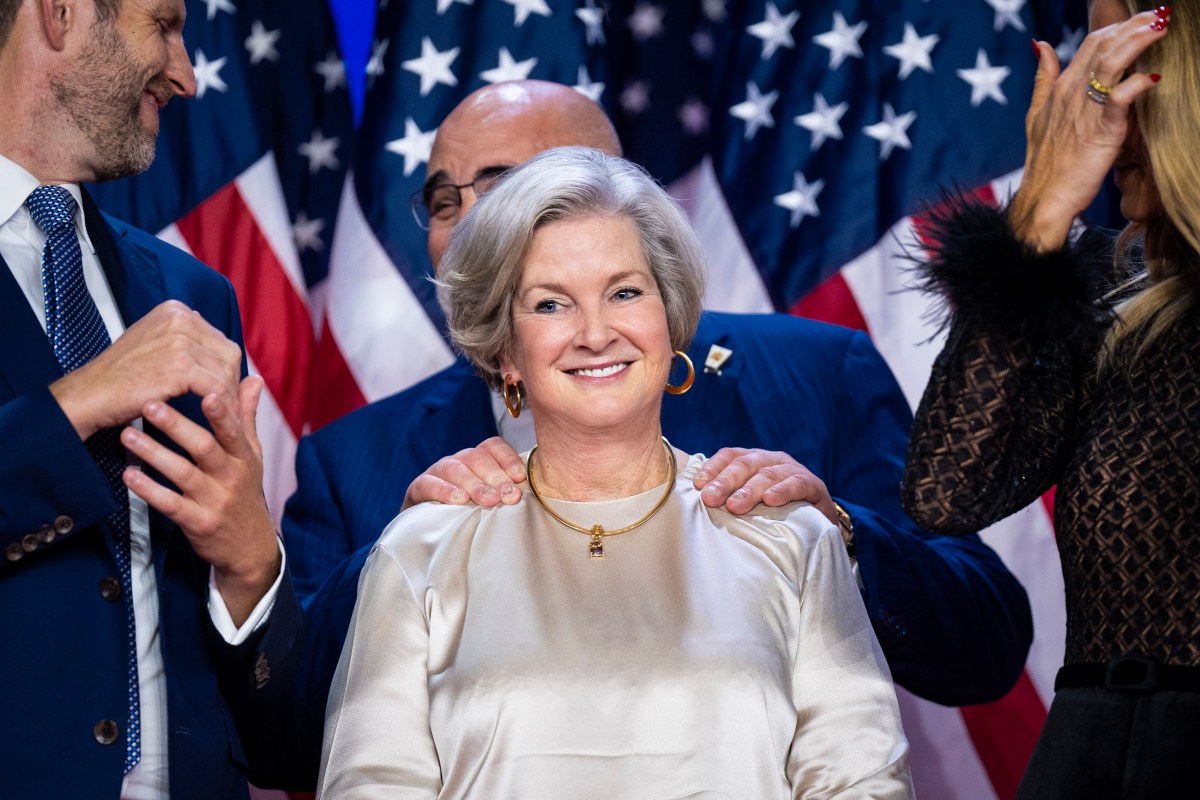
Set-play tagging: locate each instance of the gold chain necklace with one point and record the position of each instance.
(597, 532)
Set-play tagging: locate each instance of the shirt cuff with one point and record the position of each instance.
(219, 614)
(862, 587)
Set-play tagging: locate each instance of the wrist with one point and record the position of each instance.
(845, 523)
(1038, 224)
(252, 577)
(74, 407)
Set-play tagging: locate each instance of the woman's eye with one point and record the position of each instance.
(546, 307)
(627, 293)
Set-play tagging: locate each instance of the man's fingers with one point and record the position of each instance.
(490, 464)
(207, 372)
(198, 354)
(249, 393)
(427, 488)
(170, 504)
(198, 442)
(486, 475)
(174, 467)
(188, 514)
(776, 485)
(741, 479)
(476, 473)
(506, 456)
(736, 467)
(173, 317)
(715, 464)
(234, 425)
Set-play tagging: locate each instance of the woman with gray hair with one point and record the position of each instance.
(609, 636)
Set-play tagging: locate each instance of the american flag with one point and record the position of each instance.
(248, 178)
(802, 136)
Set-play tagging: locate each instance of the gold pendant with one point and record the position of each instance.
(596, 546)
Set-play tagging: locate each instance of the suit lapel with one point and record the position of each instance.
(134, 275)
(693, 420)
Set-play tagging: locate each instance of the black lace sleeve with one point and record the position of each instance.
(999, 413)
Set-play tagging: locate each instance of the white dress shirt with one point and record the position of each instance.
(21, 243)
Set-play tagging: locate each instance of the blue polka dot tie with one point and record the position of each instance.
(78, 335)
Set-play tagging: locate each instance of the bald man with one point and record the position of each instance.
(954, 623)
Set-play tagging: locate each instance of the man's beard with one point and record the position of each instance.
(103, 98)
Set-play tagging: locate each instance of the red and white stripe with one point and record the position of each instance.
(376, 338)
(244, 232)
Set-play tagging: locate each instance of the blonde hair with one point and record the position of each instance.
(1169, 275)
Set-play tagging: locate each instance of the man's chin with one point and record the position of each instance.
(133, 159)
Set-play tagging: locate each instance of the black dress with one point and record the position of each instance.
(1016, 405)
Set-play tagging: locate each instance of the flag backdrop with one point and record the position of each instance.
(801, 135)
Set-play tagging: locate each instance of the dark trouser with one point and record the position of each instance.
(1099, 744)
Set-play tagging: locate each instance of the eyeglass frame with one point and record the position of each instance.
(418, 203)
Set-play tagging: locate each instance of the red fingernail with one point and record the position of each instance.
(1164, 11)
(1036, 52)
(1154, 76)
(1160, 24)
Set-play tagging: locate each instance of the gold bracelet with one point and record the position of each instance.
(846, 523)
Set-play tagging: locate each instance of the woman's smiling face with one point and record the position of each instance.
(590, 339)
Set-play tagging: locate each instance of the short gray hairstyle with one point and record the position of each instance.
(481, 271)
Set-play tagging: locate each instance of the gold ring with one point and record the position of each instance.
(1096, 85)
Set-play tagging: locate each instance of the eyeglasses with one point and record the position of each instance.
(438, 205)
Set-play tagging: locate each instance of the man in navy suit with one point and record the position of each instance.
(124, 613)
(955, 625)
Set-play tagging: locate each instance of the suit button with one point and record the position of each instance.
(14, 552)
(110, 589)
(106, 731)
(30, 542)
(63, 525)
(47, 534)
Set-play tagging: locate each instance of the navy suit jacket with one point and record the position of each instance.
(64, 657)
(954, 624)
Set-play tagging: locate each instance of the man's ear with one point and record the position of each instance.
(58, 18)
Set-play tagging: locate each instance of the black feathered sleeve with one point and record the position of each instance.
(999, 415)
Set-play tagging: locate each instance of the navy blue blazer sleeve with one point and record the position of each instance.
(54, 477)
(50, 587)
(955, 624)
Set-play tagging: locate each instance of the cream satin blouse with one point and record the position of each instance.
(705, 656)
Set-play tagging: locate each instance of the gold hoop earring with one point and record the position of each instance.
(687, 382)
(514, 408)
